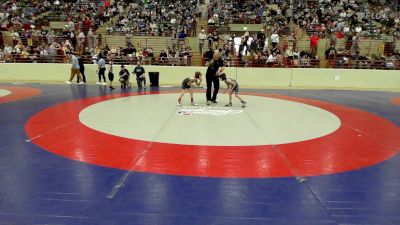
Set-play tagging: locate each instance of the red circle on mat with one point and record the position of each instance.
(395, 101)
(362, 140)
(19, 93)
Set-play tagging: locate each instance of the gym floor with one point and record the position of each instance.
(82, 154)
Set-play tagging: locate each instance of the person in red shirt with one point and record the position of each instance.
(106, 4)
(88, 24)
(314, 39)
(339, 35)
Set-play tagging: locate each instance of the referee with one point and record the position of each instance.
(215, 67)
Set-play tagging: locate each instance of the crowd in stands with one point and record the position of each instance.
(32, 40)
(158, 18)
(173, 55)
(322, 16)
(83, 14)
(349, 20)
(276, 45)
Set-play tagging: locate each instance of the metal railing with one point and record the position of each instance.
(337, 62)
(87, 59)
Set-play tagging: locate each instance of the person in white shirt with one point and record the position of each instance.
(91, 38)
(271, 58)
(173, 21)
(358, 29)
(211, 21)
(274, 39)
(81, 37)
(343, 14)
(8, 49)
(202, 38)
(265, 49)
(153, 27)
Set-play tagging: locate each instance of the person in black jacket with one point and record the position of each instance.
(215, 67)
(81, 69)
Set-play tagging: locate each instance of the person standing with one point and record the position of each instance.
(74, 69)
(314, 39)
(140, 77)
(101, 63)
(81, 69)
(202, 38)
(275, 39)
(232, 88)
(215, 67)
(187, 84)
(91, 39)
(110, 74)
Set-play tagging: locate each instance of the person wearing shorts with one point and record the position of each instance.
(232, 87)
(187, 85)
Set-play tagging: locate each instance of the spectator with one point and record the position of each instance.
(81, 69)
(275, 39)
(140, 75)
(74, 69)
(314, 40)
(101, 63)
(202, 38)
(163, 57)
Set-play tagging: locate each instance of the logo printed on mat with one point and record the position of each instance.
(212, 111)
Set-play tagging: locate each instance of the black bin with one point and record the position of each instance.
(154, 78)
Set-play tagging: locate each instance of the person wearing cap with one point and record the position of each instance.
(202, 38)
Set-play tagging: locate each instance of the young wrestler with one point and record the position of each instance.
(232, 87)
(187, 83)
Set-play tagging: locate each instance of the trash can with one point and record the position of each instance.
(153, 76)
